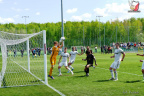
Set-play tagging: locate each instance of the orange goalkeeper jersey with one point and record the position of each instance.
(55, 51)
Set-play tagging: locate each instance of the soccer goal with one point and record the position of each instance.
(24, 59)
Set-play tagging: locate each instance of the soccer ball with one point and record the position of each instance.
(62, 39)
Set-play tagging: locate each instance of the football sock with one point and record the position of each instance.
(70, 70)
(59, 71)
(143, 75)
(70, 67)
(112, 73)
(116, 77)
(50, 73)
(87, 70)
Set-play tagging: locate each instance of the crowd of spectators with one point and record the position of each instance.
(128, 45)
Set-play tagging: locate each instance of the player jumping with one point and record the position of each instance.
(72, 58)
(89, 59)
(115, 65)
(55, 51)
(64, 57)
(142, 66)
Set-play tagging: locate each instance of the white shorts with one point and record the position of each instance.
(143, 65)
(72, 61)
(115, 65)
(63, 63)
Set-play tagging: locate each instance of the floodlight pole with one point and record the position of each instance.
(25, 21)
(62, 23)
(99, 29)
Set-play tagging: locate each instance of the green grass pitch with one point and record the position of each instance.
(97, 84)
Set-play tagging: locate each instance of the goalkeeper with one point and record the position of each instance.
(55, 51)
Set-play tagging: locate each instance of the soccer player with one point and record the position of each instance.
(88, 50)
(72, 58)
(64, 57)
(89, 59)
(115, 65)
(142, 66)
(55, 51)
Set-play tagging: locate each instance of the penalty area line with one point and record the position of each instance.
(121, 72)
(117, 71)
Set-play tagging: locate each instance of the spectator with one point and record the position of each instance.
(22, 51)
(102, 50)
(14, 53)
(135, 44)
(39, 51)
(95, 49)
(109, 50)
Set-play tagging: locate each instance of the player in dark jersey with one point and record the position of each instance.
(88, 50)
(89, 59)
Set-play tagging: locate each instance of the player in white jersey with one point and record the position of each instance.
(64, 57)
(115, 65)
(142, 66)
(73, 54)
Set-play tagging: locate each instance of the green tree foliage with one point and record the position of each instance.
(84, 33)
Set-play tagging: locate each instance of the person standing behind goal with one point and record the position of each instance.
(115, 65)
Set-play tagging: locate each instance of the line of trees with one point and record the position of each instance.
(85, 33)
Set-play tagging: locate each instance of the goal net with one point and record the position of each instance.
(23, 59)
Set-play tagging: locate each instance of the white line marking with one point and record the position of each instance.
(120, 71)
(117, 71)
(41, 80)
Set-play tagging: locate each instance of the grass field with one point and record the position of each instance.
(97, 84)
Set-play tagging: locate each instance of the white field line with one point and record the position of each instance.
(41, 80)
(117, 71)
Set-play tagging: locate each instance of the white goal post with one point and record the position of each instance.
(24, 59)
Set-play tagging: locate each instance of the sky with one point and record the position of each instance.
(43, 11)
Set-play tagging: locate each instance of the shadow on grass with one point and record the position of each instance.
(133, 81)
(101, 81)
(79, 72)
(73, 71)
(80, 76)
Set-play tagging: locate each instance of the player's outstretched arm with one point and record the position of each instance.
(59, 59)
(140, 55)
(79, 54)
(123, 56)
(84, 59)
(60, 45)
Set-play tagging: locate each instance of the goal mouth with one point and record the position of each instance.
(23, 59)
